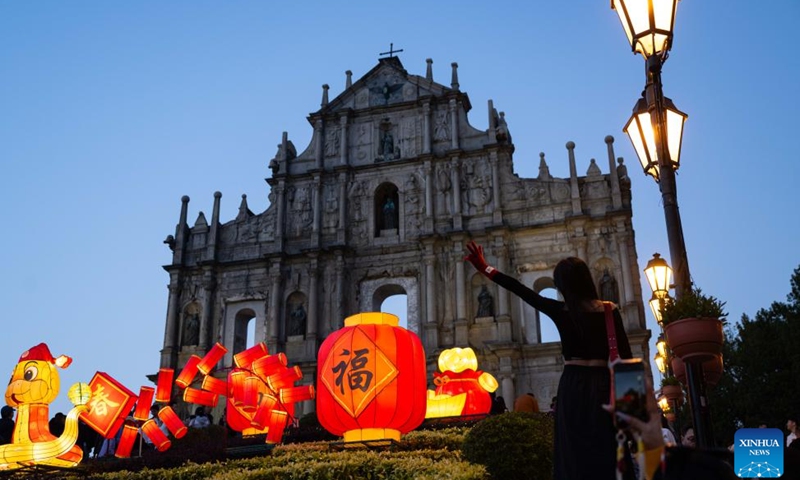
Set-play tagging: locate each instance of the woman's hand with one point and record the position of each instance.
(477, 259)
(650, 430)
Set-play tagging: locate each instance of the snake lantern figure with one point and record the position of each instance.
(33, 386)
(461, 389)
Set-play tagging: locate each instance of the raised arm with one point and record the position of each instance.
(545, 305)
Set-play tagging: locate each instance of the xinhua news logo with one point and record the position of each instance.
(758, 453)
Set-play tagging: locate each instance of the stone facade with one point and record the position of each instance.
(394, 183)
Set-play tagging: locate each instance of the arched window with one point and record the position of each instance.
(397, 304)
(244, 326)
(387, 210)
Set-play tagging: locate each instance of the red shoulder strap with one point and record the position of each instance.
(611, 331)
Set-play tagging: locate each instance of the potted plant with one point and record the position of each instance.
(671, 389)
(712, 370)
(693, 326)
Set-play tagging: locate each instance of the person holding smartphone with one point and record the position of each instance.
(585, 443)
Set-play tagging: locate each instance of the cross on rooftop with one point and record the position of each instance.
(391, 51)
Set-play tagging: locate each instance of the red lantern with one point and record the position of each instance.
(188, 373)
(212, 358)
(172, 421)
(246, 358)
(260, 419)
(252, 385)
(154, 433)
(110, 403)
(284, 377)
(372, 380)
(200, 397)
(296, 394)
(266, 366)
(213, 384)
(277, 424)
(129, 433)
(142, 411)
(164, 385)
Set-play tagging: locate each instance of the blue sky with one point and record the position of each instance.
(111, 111)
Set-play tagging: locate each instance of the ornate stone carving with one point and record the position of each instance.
(332, 139)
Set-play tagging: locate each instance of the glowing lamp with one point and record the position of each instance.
(458, 359)
(284, 377)
(269, 365)
(648, 24)
(236, 380)
(200, 397)
(372, 379)
(296, 394)
(251, 389)
(189, 372)
(125, 445)
(663, 404)
(460, 383)
(658, 275)
(277, 424)
(640, 130)
(80, 394)
(245, 359)
(156, 436)
(172, 421)
(142, 411)
(110, 404)
(655, 307)
(212, 358)
(260, 419)
(164, 385)
(661, 363)
(661, 346)
(213, 384)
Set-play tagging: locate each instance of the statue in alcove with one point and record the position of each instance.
(297, 321)
(191, 329)
(485, 303)
(608, 287)
(389, 214)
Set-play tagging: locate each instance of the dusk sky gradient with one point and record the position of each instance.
(111, 111)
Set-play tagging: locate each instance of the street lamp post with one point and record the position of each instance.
(656, 131)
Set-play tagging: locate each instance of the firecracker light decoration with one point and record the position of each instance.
(461, 389)
(33, 386)
(372, 379)
(260, 389)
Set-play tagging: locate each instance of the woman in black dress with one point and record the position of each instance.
(585, 444)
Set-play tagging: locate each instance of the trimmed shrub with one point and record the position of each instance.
(514, 445)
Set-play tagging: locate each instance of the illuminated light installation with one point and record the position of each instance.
(110, 404)
(188, 373)
(33, 386)
(461, 389)
(142, 411)
(156, 436)
(212, 358)
(173, 422)
(260, 390)
(164, 385)
(372, 379)
(125, 445)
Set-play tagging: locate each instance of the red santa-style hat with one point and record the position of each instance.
(42, 353)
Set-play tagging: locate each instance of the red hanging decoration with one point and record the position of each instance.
(164, 385)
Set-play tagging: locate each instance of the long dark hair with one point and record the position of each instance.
(574, 280)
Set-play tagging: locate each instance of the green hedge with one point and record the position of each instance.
(514, 445)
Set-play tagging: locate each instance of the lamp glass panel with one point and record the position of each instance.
(674, 135)
(664, 14)
(620, 9)
(640, 131)
(661, 345)
(660, 364)
(638, 15)
(655, 308)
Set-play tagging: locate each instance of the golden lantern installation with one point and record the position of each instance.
(372, 379)
(33, 386)
(461, 389)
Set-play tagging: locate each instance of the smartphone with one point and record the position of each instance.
(628, 390)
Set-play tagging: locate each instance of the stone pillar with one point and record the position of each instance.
(209, 282)
(181, 232)
(497, 213)
(507, 386)
(171, 330)
(573, 181)
(455, 173)
(461, 324)
(454, 122)
(626, 295)
(316, 206)
(340, 229)
(426, 127)
(431, 325)
(211, 247)
(427, 170)
(349, 80)
(319, 143)
(274, 306)
(313, 307)
(280, 192)
(616, 195)
(338, 312)
(343, 143)
(429, 69)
